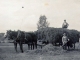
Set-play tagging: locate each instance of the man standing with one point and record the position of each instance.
(65, 24)
(64, 41)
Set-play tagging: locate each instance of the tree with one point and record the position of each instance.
(42, 23)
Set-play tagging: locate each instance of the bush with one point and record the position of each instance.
(54, 35)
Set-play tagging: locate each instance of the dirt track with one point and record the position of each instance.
(8, 53)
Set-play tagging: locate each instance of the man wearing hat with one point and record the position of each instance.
(65, 24)
(64, 41)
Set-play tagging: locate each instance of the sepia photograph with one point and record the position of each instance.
(39, 29)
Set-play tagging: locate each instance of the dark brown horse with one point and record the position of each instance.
(30, 39)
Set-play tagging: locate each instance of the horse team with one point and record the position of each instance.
(24, 38)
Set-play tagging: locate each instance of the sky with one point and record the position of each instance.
(14, 17)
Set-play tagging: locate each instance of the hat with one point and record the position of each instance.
(64, 34)
(65, 20)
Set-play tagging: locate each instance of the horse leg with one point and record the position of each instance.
(68, 47)
(21, 47)
(36, 45)
(74, 45)
(15, 45)
(31, 46)
(28, 46)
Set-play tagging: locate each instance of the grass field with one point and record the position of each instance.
(7, 52)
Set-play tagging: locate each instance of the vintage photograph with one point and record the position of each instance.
(39, 29)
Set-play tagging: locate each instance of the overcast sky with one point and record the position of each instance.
(14, 17)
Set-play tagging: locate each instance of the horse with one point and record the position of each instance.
(71, 44)
(30, 38)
